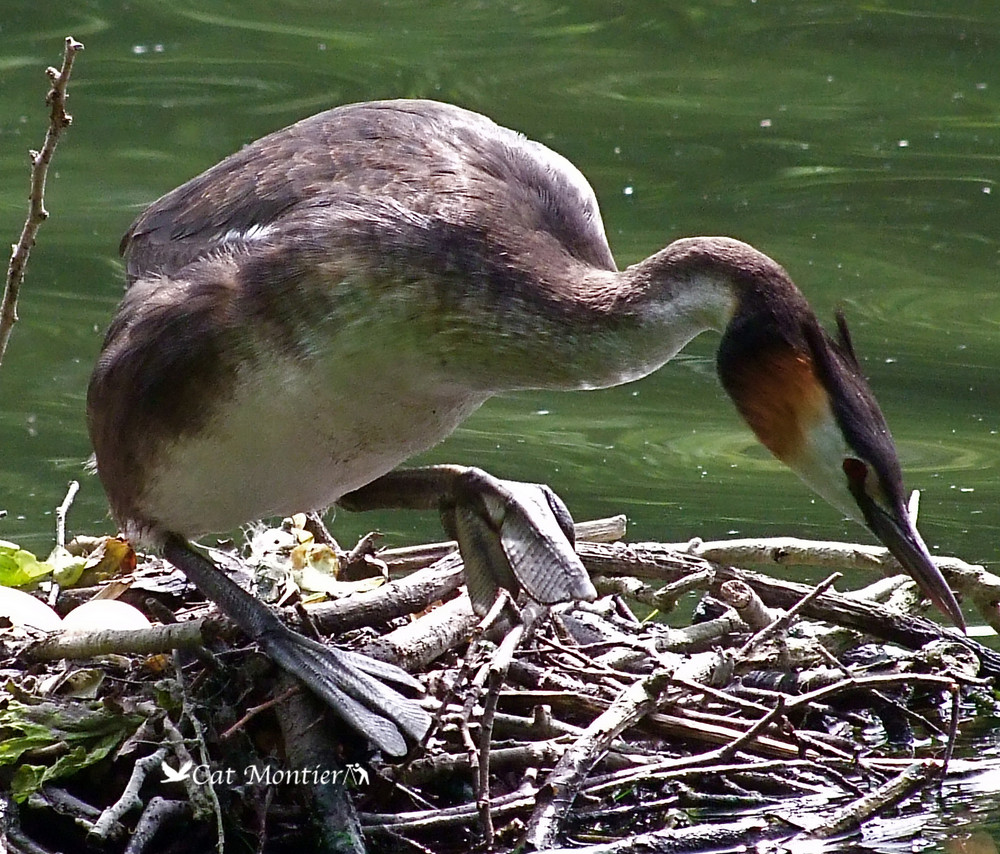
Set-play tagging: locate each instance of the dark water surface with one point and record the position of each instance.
(855, 143)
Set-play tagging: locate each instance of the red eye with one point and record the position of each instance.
(856, 471)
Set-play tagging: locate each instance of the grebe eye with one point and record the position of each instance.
(856, 471)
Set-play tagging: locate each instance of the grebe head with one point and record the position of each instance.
(805, 397)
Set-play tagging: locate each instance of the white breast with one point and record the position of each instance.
(295, 436)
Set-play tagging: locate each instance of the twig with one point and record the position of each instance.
(563, 784)
(498, 669)
(855, 683)
(650, 560)
(65, 804)
(202, 796)
(956, 707)
(158, 812)
(747, 603)
(399, 598)
(447, 767)
(441, 818)
(783, 621)
(725, 753)
(887, 795)
(129, 799)
(63, 510)
(789, 551)
(479, 754)
(59, 120)
(253, 711)
(663, 599)
(151, 641)
(414, 645)
(972, 580)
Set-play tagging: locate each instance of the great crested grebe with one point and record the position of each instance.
(341, 294)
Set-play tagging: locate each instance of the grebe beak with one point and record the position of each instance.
(894, 527)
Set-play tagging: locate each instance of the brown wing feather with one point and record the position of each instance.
(429, 158)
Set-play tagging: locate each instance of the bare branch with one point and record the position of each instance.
(59, 120)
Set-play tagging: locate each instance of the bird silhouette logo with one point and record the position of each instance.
(179, 776)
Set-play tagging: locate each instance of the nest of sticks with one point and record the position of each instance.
(781, 712)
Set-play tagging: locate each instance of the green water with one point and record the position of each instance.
(855, 143)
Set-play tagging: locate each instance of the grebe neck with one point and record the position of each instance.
(605, 328)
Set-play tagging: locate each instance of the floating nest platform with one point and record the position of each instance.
(781, 714)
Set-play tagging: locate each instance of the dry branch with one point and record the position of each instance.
(651, 560)
(564, 782)
(973, 581)
(59, 120)
(891, 793)
(151, 641)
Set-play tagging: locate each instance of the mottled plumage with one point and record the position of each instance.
(339, 295)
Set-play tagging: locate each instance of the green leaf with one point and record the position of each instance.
(19, 567)
(86, 733)
(26, 781)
